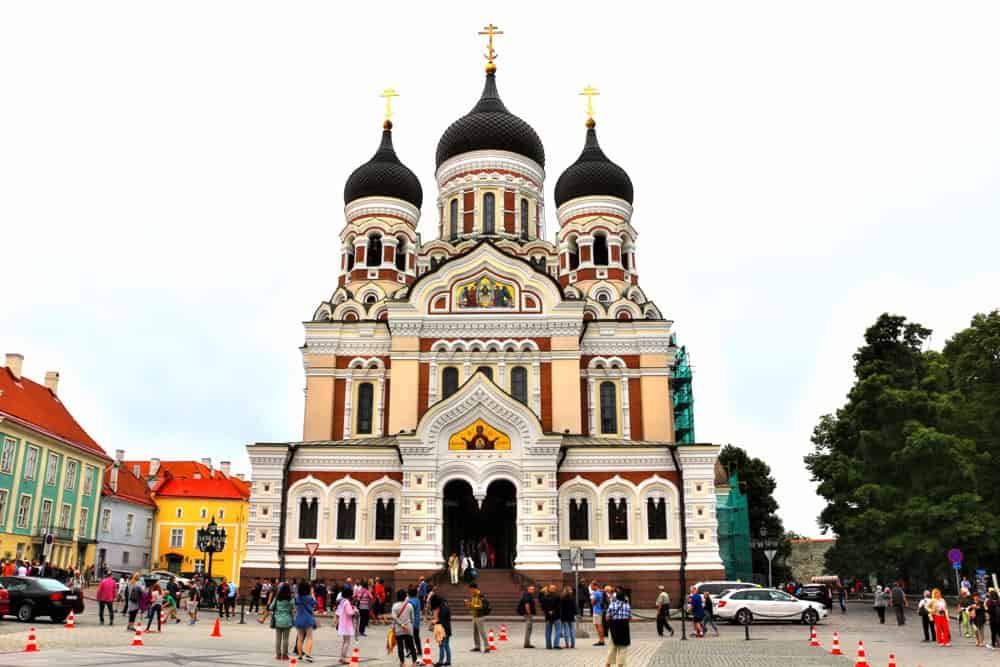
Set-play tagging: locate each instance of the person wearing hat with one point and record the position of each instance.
(663, 612)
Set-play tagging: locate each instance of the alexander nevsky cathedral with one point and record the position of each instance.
(499, 381)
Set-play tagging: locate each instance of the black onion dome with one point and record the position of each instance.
(384, 176)
(593, 174)
(490, 126)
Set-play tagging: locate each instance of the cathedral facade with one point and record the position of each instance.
(490, 383)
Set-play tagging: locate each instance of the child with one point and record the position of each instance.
(171, 603)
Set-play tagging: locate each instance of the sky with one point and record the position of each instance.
(171, 179)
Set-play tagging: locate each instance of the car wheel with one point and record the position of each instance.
(810, 617)
(744, 617)
(25, 612)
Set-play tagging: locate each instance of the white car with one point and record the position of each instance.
(767, 604)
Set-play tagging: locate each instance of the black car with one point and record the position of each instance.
(817, 593)
(31, 597)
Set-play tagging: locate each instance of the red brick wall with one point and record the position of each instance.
(546, 370)
(339, 391)
(423, 390)
(635, 408)
(330, 476)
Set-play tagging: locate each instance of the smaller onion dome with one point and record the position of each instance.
(384, 176)
(593, 174)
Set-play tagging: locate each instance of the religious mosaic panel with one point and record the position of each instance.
(485, 292)
(479, 436)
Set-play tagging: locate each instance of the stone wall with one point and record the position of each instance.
(807, 558)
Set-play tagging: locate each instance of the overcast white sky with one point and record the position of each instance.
(171, 179)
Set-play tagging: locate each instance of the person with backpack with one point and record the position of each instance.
(401, 633)
(281, 608)
(478, 608)
(618, 616)
(898, 597)
(135, 593)
(231, 592)
(413, 598)
(305, 620)
(526, 610)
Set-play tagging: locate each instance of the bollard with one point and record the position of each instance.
(746, 631)
(243, 606)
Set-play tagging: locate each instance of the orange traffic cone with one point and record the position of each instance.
(216, 629)
(493, 645)
(892, 660)
(138, 637)
(355, 657)
(862, 661)
(813, 639)
(163, 617)
(32, 645)
(836, 645)
(292, 661)
(427, 652)
(503, 632)
(70, 620)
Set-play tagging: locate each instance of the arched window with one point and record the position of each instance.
(519, 384)
(574, 254)
(485, 370)
(617, 519)
(449, 381)
(579, 521)
(347, 515)
(366, 397)
(374, 256)
(656, 518)
(401, 253)
(385, 518)
(371, 298)
(308, 515)
(453, 219)
(524, 219)
(600, 250)
(609, 408)
(625, 260)
(489, 212)
(349, 248)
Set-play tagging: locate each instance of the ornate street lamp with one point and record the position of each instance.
(211, 540)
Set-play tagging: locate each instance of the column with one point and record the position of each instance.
(348, 400)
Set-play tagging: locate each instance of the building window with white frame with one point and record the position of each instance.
(51, 469)
(88, 481)
(519, 384)
(145, 560)
(579, 519)
(222, 513)
(308, 518)
(30, 463)
(3, 506)
(84, 523)
(64, 513)
(7, 457)
(125, 557)
(366, 402)
(347, 514)
(385, 518)
(23, 510)
(609, 408)
(617, 519)
(656, 518)
(45, 517)
(129, 523)
(106, 520)
(176, 538)
(149, 528)
(71, 468)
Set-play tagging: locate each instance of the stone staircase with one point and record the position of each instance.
(502, 587)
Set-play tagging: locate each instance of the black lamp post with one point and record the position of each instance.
(211, 540)
(770, 548)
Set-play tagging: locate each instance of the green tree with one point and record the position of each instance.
(898, 464)
(759, 485)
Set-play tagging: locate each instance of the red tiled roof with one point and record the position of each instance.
(186, 469)
(130, 488)
(35, 406)
(225, 487)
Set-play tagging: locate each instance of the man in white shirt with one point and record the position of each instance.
(22, 570)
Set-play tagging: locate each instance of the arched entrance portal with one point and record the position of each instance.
(466, 523)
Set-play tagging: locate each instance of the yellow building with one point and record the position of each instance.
(188, 496)
(51, 472)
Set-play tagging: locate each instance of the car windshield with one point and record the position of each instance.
(51, 585)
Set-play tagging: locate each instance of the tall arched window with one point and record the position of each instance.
(385, 518)
(449, 381)
(374, 255)
(366, 399)
(656, 518)
(579, 521)
(401, 253)
(600, 250)
(308, 515)
(489, 212)
(625, 260)
(453, 219)
(349, 247)
(609, 408)
(617, 519)
(519, 384)
(524, 219)
(347, 518)
(485, 370)
(574, 254)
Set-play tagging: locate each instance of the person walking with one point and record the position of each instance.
(879, 604)
(281, 609)
(441, 623)
(964, 622)
(255, 596)
(134, 594)
(106, 592)
(475, 605)
(926, 620)
(567, 616)
(414, 599)
(363, 598)
(842, 599)
(710, 614)
(402, 619)
(618, 614)
(939, 610)
(899, 603)
(526, 609)
(696, 604)
(977, 610)
(663, 612)
(993, 614)
(121, 595)
(191, 604)
(597, 606)
(453, 567)
(549, 600)
(155, 605)
(345, 625)
(305, 620)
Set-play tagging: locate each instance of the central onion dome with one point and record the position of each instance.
(593, 174)
(384, 176)
(489, 126)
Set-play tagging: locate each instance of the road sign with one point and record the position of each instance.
(957, 565)
(312, 548)
(955, 555)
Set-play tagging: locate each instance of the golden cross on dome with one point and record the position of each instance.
(490, 30)
(388, 94)
(590, 93)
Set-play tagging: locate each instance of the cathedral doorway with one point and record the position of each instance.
(467, 522)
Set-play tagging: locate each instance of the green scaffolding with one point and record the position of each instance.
(734, 532)
(683, 397)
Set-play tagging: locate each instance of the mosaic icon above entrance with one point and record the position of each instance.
(485, 292)
(479, 436)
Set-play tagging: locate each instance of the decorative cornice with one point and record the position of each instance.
(379, 206)
(595, 205)
(490, 160)
(341, 347)
(494, 328)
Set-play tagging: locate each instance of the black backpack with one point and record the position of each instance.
(135, 594)
(485, 610)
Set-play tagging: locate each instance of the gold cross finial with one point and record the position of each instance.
(388, 94)
(490, 30)
(590, 93)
